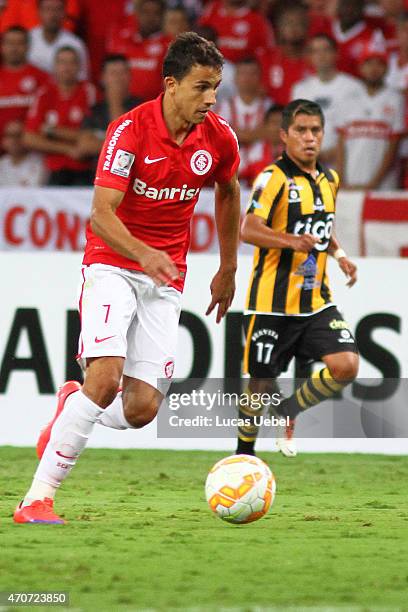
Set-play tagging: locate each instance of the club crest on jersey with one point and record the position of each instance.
(122, 163)
(201, 162)
(169, 368)
(294, 193)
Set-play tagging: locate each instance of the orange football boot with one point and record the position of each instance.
(40, 511)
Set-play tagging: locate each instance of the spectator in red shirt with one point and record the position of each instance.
(265, 151)
(241, 32)
(19, 81)
(353, 35)
(286, 64)
(53, 123)
(144, 48)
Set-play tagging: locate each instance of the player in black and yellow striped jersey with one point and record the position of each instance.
(289, 310)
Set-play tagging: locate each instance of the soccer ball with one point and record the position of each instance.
(240, 489)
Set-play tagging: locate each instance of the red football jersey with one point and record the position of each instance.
(280, 73)
(145, 58)
(17, 91)
(56, 110)
(352, 44)
(161, 180)
(241, 33)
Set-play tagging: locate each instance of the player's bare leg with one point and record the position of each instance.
(134, 407)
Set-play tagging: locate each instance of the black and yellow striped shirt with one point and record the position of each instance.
(284, 281)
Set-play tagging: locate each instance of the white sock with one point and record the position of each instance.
(69, 436)
(39, 490)
(113, 416)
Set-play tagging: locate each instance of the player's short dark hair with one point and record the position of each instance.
(332, 42)
(300, 106)
(188, 50)
(275, 108)
(112, 58)
(207, 32)
(16, 28)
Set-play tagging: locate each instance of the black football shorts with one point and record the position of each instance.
(272, 340)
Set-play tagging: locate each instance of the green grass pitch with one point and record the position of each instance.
(141, 537)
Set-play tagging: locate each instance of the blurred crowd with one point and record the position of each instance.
(69, 67)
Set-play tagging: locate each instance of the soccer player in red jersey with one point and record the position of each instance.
(155, 160)
(19, 81)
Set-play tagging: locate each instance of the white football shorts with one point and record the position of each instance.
(123, 313)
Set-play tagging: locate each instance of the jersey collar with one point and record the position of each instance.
(294, 169)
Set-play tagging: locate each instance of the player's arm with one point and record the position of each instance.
(254, 231)
(227, 216)
(107, 225)
(346, 265)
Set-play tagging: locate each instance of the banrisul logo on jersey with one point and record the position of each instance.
(165, 193)
(201, 162)
(320, 228)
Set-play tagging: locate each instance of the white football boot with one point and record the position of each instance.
(284, 434)
(285, 440)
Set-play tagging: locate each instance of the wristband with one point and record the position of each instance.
(339, 253)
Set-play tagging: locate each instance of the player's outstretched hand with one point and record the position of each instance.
(222, 290)
(304, 243)
(349, 269)
(159, 266)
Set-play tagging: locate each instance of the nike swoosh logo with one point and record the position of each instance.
(64, 456)
(98, 340)
(147, 159)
